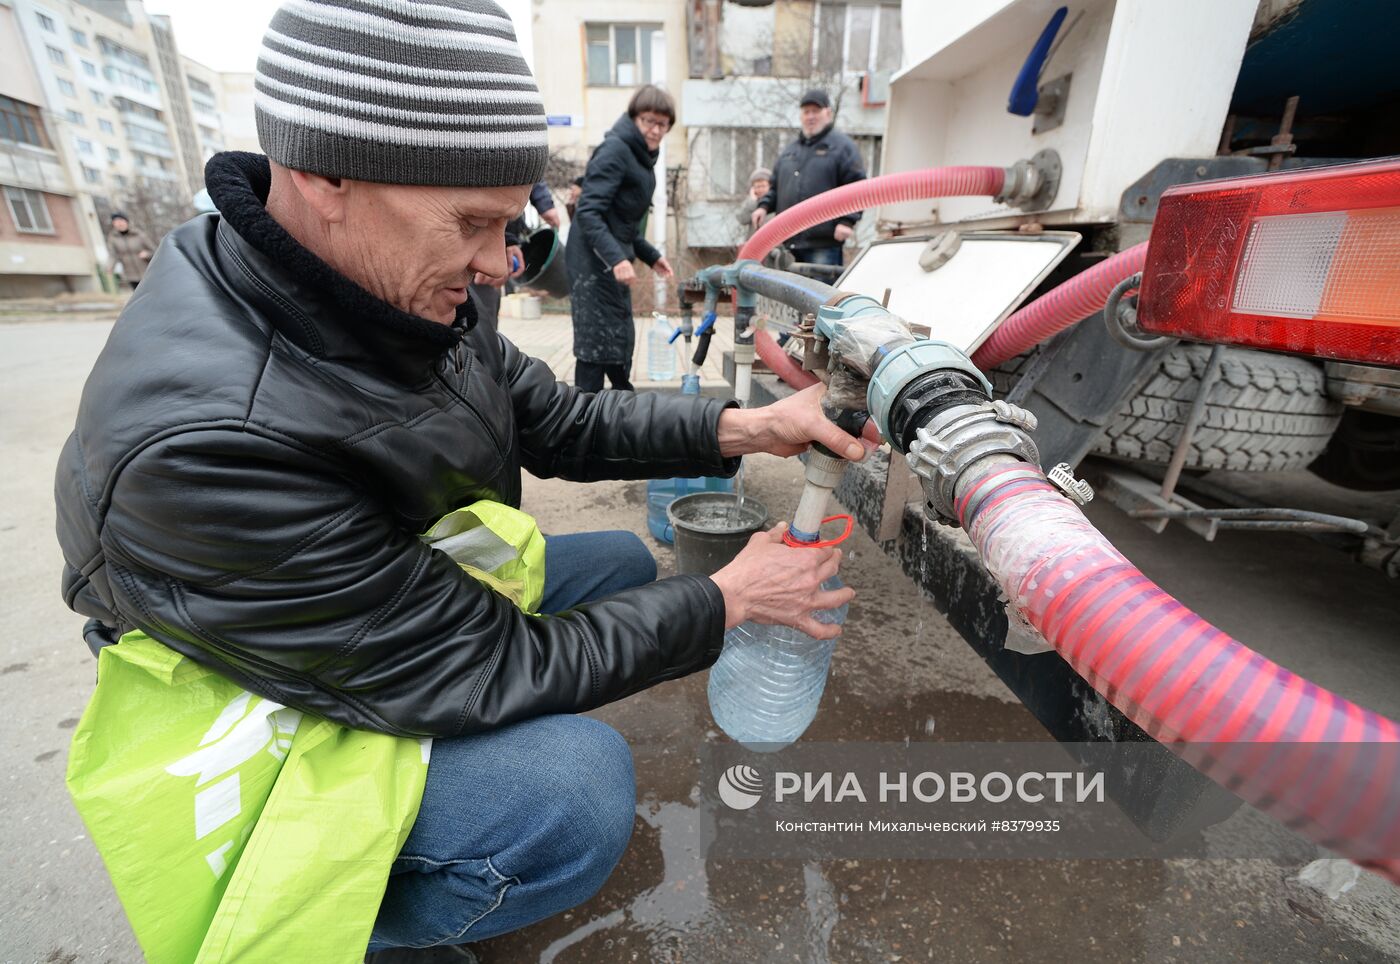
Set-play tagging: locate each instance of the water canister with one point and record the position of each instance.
(662, 492)
(767, 684)
(661, 354)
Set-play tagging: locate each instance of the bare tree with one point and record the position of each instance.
(156, 207)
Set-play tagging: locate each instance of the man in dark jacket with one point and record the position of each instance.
(820, 159)
(299, 391)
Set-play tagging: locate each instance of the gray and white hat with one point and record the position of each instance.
(400, 91)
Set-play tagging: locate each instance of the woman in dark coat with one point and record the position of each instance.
(606, 236)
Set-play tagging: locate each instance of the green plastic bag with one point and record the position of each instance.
(235, 828)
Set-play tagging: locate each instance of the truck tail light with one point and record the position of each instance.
(1304, 261)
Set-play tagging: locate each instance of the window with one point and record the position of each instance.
(66, 86)
(619, 54)
(120, 75)
(58, 56)
(92, 175)
(139, 135)
(113, 155)
(79, 37)
(89, 68)
(105, 126)
(735, 152)
(97, 97)
(21, 122)
(47, 23)
(29, 210)
(119, 180)
(75, 118)
(198, 86)
(117, 52)
(854, 38)
(84, 146)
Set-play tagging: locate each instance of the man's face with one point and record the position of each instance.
(418, 247)
(758, 187)
(814, 118)
(121, 224)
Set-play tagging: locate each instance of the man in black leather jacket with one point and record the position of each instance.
(298, 390)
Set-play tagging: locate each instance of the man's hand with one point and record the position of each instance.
(773, 583)
(551, 218)
(756, 219)
(842, 232)
(785, 428)
(625, 273)
(515, 259)
(663, 267)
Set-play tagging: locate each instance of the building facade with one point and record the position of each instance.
(749, 66)
(737, 71)
(45, 248)
(134, 118)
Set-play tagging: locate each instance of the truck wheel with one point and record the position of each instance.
(1266, 413)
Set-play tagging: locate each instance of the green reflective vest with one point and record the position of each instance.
(238, 829)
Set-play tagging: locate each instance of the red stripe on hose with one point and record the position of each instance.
(1099, 649)
(1160, 618)
(1237, 718)
(1273, 728)
(1184, 718)
(1078, 598)
(1157, 657)
(1211, 649)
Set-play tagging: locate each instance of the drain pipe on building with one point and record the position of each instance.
(1322, 765)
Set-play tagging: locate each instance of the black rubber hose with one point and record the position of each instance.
(793, 290)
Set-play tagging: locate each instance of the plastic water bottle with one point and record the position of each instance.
(661, 354)
(766, 687)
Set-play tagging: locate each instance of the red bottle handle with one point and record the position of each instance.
(824, 543)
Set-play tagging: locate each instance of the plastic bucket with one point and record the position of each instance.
(544, 264)
(709, 533)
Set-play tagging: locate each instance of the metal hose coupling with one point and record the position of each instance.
(957, 438)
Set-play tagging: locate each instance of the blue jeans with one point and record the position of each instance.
(529, 820)
(826, 255)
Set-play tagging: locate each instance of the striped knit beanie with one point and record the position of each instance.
(399, 91)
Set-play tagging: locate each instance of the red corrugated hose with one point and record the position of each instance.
(1318, 763)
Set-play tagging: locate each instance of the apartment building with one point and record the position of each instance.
(44, 247)
(749, 64)
(590, 55)
(737, 69)
(136, 119)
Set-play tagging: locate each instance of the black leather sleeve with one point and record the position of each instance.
(587, 437)
(286, 577)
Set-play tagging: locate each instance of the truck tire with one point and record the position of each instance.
(1266, 413)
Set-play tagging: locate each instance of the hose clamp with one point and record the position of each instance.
(1076, 490)
(958, 437)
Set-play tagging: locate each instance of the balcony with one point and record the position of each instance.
(155, 150)
(36, 168)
